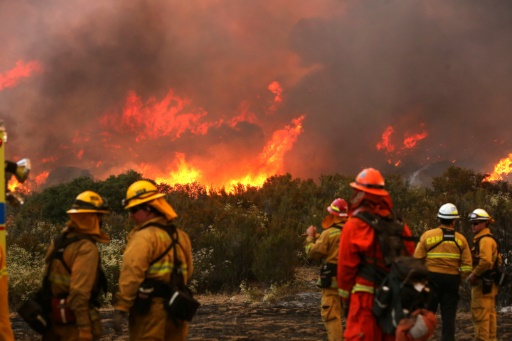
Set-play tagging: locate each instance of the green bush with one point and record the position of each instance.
(25, 274)
(251, 235)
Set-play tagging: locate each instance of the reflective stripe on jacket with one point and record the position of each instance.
(446, 257)
(145, 244)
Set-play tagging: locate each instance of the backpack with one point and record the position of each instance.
(41, 308)
(179, 301)
(497, 275)
(404, 288)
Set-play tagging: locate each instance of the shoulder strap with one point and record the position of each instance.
(176, 276)
(173, 234)
(60, 244)
(375, 220)
(477, 246)
(388, 233)
(477, 242)
(448, 236)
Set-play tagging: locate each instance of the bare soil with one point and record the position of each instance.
(293, 317)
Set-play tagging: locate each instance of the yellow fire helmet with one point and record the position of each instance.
(89, 202)
(140, 192)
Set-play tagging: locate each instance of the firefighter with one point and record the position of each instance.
(5, 324)
(147, 257)
(448, 259)
(324, 247)
(81, 283)
(486, 257)
(357, 249)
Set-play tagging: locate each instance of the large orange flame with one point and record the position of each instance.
(183, 174)
(33, 183)
(503, 167)
(268, 163)
(171, 116)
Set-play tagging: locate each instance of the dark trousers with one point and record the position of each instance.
(445, 294)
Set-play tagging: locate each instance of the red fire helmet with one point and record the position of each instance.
(338, 207)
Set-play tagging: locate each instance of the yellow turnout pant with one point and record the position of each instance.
(483, 313)
(332, 313)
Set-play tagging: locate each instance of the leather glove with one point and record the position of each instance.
(85, 334)
(118, 320)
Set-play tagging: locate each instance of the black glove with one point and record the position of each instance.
(118, 320)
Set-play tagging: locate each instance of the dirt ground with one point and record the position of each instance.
(296, 317)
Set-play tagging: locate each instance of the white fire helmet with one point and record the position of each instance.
(448, 211)
(479, 215)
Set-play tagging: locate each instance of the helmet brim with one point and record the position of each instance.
(331, 211)
(448, 217)
(139, 201)
(376, 191)
(78, 210)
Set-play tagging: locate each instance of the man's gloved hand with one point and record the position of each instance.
(472, 278)
(85, 334)
(118, 320)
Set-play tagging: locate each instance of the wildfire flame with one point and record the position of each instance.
(170, 117)
(184, 173)
(276, 89)
(387, 145)
(271, 158)
(503, 167)
(33, 183)
(21, 70)
(268, 163)
(154, 118)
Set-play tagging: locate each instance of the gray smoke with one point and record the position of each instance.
(352, 67)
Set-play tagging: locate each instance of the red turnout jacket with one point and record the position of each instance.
(357, 246)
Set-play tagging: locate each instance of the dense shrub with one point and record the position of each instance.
(249, 235)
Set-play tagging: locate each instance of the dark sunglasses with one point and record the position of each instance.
(475, 223)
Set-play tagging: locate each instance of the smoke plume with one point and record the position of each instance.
(239, 89)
